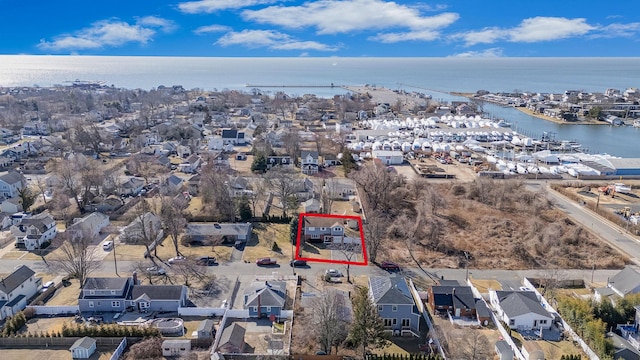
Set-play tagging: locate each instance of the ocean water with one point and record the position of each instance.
(297, 76)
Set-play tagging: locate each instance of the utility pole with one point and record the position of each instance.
(115, 262)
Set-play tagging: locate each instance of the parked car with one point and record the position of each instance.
(177, 259)
(388, 265)
(297, 263)
(156, 270)
(46, 286)
(107, 245)
(207, 261)
(333, 273)
(265, 261)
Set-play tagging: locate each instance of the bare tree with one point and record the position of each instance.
(76, 258)
(145, 166)
(374, 233)
(327, 191)
(40, 186)
(189, 272)
(214, 188)
(281, 181)
(349, 251)
(145, 228)
(378, 185)
(173, 220)
(330, 319)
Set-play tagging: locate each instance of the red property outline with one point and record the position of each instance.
(301, 217)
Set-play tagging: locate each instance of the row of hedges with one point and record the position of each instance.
(16, 322)
(108, 330)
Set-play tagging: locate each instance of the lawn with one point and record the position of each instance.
(33, 354)
(66, 295)
(262, 241)
(485, 285)
(221, 252)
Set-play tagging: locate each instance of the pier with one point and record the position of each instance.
(294, 86)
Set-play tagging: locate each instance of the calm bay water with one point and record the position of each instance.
(428, 75)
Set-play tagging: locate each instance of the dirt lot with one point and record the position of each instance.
(44, 325)
(460, 172)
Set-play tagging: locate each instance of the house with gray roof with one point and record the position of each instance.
(31, 232)
(231, 231)
(627, 281)
(104, 294)
(395, 305)
(16, 290)
(232, 340)
(520, 310)
(11, 183)
(88, 226)
(322, 229)
(265, 299)
(131, 186)
(309, 162)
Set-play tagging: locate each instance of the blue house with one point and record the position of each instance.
(395, 305)
(264, 299)
(102, 294)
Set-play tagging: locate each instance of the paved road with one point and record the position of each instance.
(613, 234)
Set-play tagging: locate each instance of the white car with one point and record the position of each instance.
(46, 286)
(177, 259)
(107, 245)
(333, 273)
(155, 270)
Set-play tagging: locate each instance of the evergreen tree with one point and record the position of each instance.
(293, 229)
(244, 209)
(259, 164)
(367, 329)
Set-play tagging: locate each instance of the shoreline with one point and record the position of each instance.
(537, 115)
(558, 121)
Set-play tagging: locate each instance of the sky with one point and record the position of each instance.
(321, 28)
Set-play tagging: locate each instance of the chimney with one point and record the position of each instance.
(453, 291)
(135, 278)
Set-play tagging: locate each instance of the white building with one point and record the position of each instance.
(388, 157)
(176, 347)
(520, 310)
(16, 289)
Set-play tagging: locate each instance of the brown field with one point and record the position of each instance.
(485, 285)
(501, 225)
(553, 349)
(262, 241)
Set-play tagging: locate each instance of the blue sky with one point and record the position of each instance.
(321, 28)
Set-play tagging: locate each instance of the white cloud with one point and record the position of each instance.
(105, 33)
(211, 29)
(343, 16)
(426, 35)
(492, 52)
(154, 21)
(548, 28)
(210, 6)
(270, 39)
(619, 30)
(530, 30)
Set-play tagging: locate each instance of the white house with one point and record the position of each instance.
(89, 226)
(30, 233)
(388, 157)
(83, 348)
(520, 310)
(11, 183)
(16, 289)
(215, 143)
(309, 162)
(176, 347)
(233, 137)
(11, 205)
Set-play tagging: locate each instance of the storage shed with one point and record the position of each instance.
(83, 348)
(176, 347)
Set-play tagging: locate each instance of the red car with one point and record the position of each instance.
(265, 261)
(388, 265)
